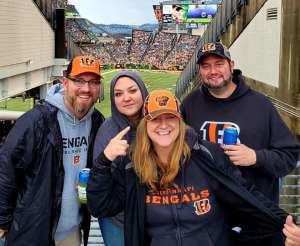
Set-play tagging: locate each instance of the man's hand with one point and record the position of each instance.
(240, 154)
(292, 232)
(2, 233)
(117, 146)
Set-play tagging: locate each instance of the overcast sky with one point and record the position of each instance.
(133, 12)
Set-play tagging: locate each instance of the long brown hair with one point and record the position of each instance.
(147, 164)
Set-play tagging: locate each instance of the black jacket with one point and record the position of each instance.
(108, 194)
(32, 176)
(260, 128)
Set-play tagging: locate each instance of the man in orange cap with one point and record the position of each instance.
(82, 84)
(42, 157)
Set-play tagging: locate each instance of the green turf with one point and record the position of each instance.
(16, 104)
(153, 80)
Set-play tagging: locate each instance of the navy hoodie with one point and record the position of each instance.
(117, 122)
(198, 212)
(259, 125)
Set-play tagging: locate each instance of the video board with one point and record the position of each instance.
(189, 13)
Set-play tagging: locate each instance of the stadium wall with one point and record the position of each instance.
(26, 38)
(257, 50)
(267, 50)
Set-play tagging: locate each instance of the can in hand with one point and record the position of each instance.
(230, 135)
(83, 180)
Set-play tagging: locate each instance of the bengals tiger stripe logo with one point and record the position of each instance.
(212, 131)
(208, 47)
(202, 206)
(87, 61)
(162, 100)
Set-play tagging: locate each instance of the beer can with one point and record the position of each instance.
(84, 175)
(230, 135)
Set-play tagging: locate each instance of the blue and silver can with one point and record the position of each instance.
(83, 180)
(84, 175)
(230, 135)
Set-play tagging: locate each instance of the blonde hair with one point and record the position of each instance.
(147, 164)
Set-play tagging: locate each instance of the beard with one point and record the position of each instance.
(221, 85)
(79, 108)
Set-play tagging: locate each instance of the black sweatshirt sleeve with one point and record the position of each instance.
(282, 155)
(246, 204)
(106, 188)
(247, 191)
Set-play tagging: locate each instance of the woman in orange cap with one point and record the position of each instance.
(177, 189)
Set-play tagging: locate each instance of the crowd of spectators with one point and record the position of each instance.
(140, 42)
(182, 52)
(166, 51)
(84, 26)
(118, 50)
(79, 32)
(99, 51)
(59, 3)
(159, 48)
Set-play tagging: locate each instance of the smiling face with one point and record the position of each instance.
(128, 97)
(163, 131)
(216, 72)
(79, 99)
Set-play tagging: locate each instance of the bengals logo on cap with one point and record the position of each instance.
(208, 47)
(84, 64)
(87, 61)
(216, 48)
(162, 100)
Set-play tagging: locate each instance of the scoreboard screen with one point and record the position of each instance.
(188, 13)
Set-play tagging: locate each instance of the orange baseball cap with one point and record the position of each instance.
(161, 102)
(84, 64)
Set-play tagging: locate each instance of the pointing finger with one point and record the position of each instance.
(122, 133)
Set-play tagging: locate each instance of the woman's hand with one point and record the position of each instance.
(292, 232)
(2, 233)
(117, 146)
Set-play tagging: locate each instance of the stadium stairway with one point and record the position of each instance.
(289, 193)
(95, 237)
(149, 42)
(174, 42)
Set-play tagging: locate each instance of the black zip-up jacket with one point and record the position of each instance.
(260, 128)
(32, 176)
(108, 193)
